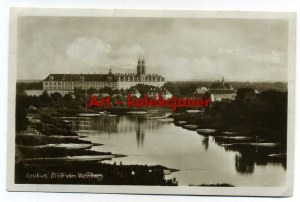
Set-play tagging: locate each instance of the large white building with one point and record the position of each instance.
(65, 83)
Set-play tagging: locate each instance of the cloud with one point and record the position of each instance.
(240, 63)
(88, 50)
(176, 48)
(95, 52)
(134, 50)
(251, 63)
(234, 64)
(253, 54)
(188, 68)
(126, 57)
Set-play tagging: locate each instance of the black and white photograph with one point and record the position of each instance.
(151, 102)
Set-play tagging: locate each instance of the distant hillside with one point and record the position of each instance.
(180, 87)
(28, 81)
(188, 87)
(22, 86)
(262, 86)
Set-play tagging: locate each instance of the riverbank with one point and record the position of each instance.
(255, 144)
(221, 127)
(63, 151)
(49, 152)
(90, 172)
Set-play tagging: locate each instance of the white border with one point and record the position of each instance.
(274, 191)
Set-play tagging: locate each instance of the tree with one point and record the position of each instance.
(21, 120)
(123, 92)
(56, 99)
(245, 95)
(67, 100)
(80, 96)
(142, 88)
(106, 89)
(90, 91)
(45, 99)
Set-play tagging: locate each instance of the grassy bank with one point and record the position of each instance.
(49, 152)
(73, 172)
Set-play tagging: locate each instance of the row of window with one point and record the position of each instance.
(137, 79)
(84, 87)
(87, 85)
(76, 84)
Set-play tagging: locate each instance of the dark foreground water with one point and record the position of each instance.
(149, 140)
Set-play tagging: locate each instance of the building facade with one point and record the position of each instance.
(125, 81)
(65, 83)
(221, 91)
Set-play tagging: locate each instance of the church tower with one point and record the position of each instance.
(139, 68)
(143, 67)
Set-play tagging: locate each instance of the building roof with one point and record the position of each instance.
(220, 86)
(94, 77)
(78, 77)
(222, 91)
(133, 74)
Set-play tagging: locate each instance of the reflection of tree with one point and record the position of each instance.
(205, 142)
(244, 164)
(106, 124)
(139, 125)
(102, 124)
(248, 154)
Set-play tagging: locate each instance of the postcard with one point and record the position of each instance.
(151, 102)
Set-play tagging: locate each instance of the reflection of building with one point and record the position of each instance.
(65, 83)
(140, 132)
(221, 91)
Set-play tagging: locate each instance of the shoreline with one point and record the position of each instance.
(229, 137)
(55, 148)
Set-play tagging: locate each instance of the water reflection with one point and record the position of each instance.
(149, 140)
(205, 142)
(249, 156)
(140, 133)
(119, 125)
(244, 164)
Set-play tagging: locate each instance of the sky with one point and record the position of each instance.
(180, 49)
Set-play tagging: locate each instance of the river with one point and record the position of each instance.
(150, 140)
